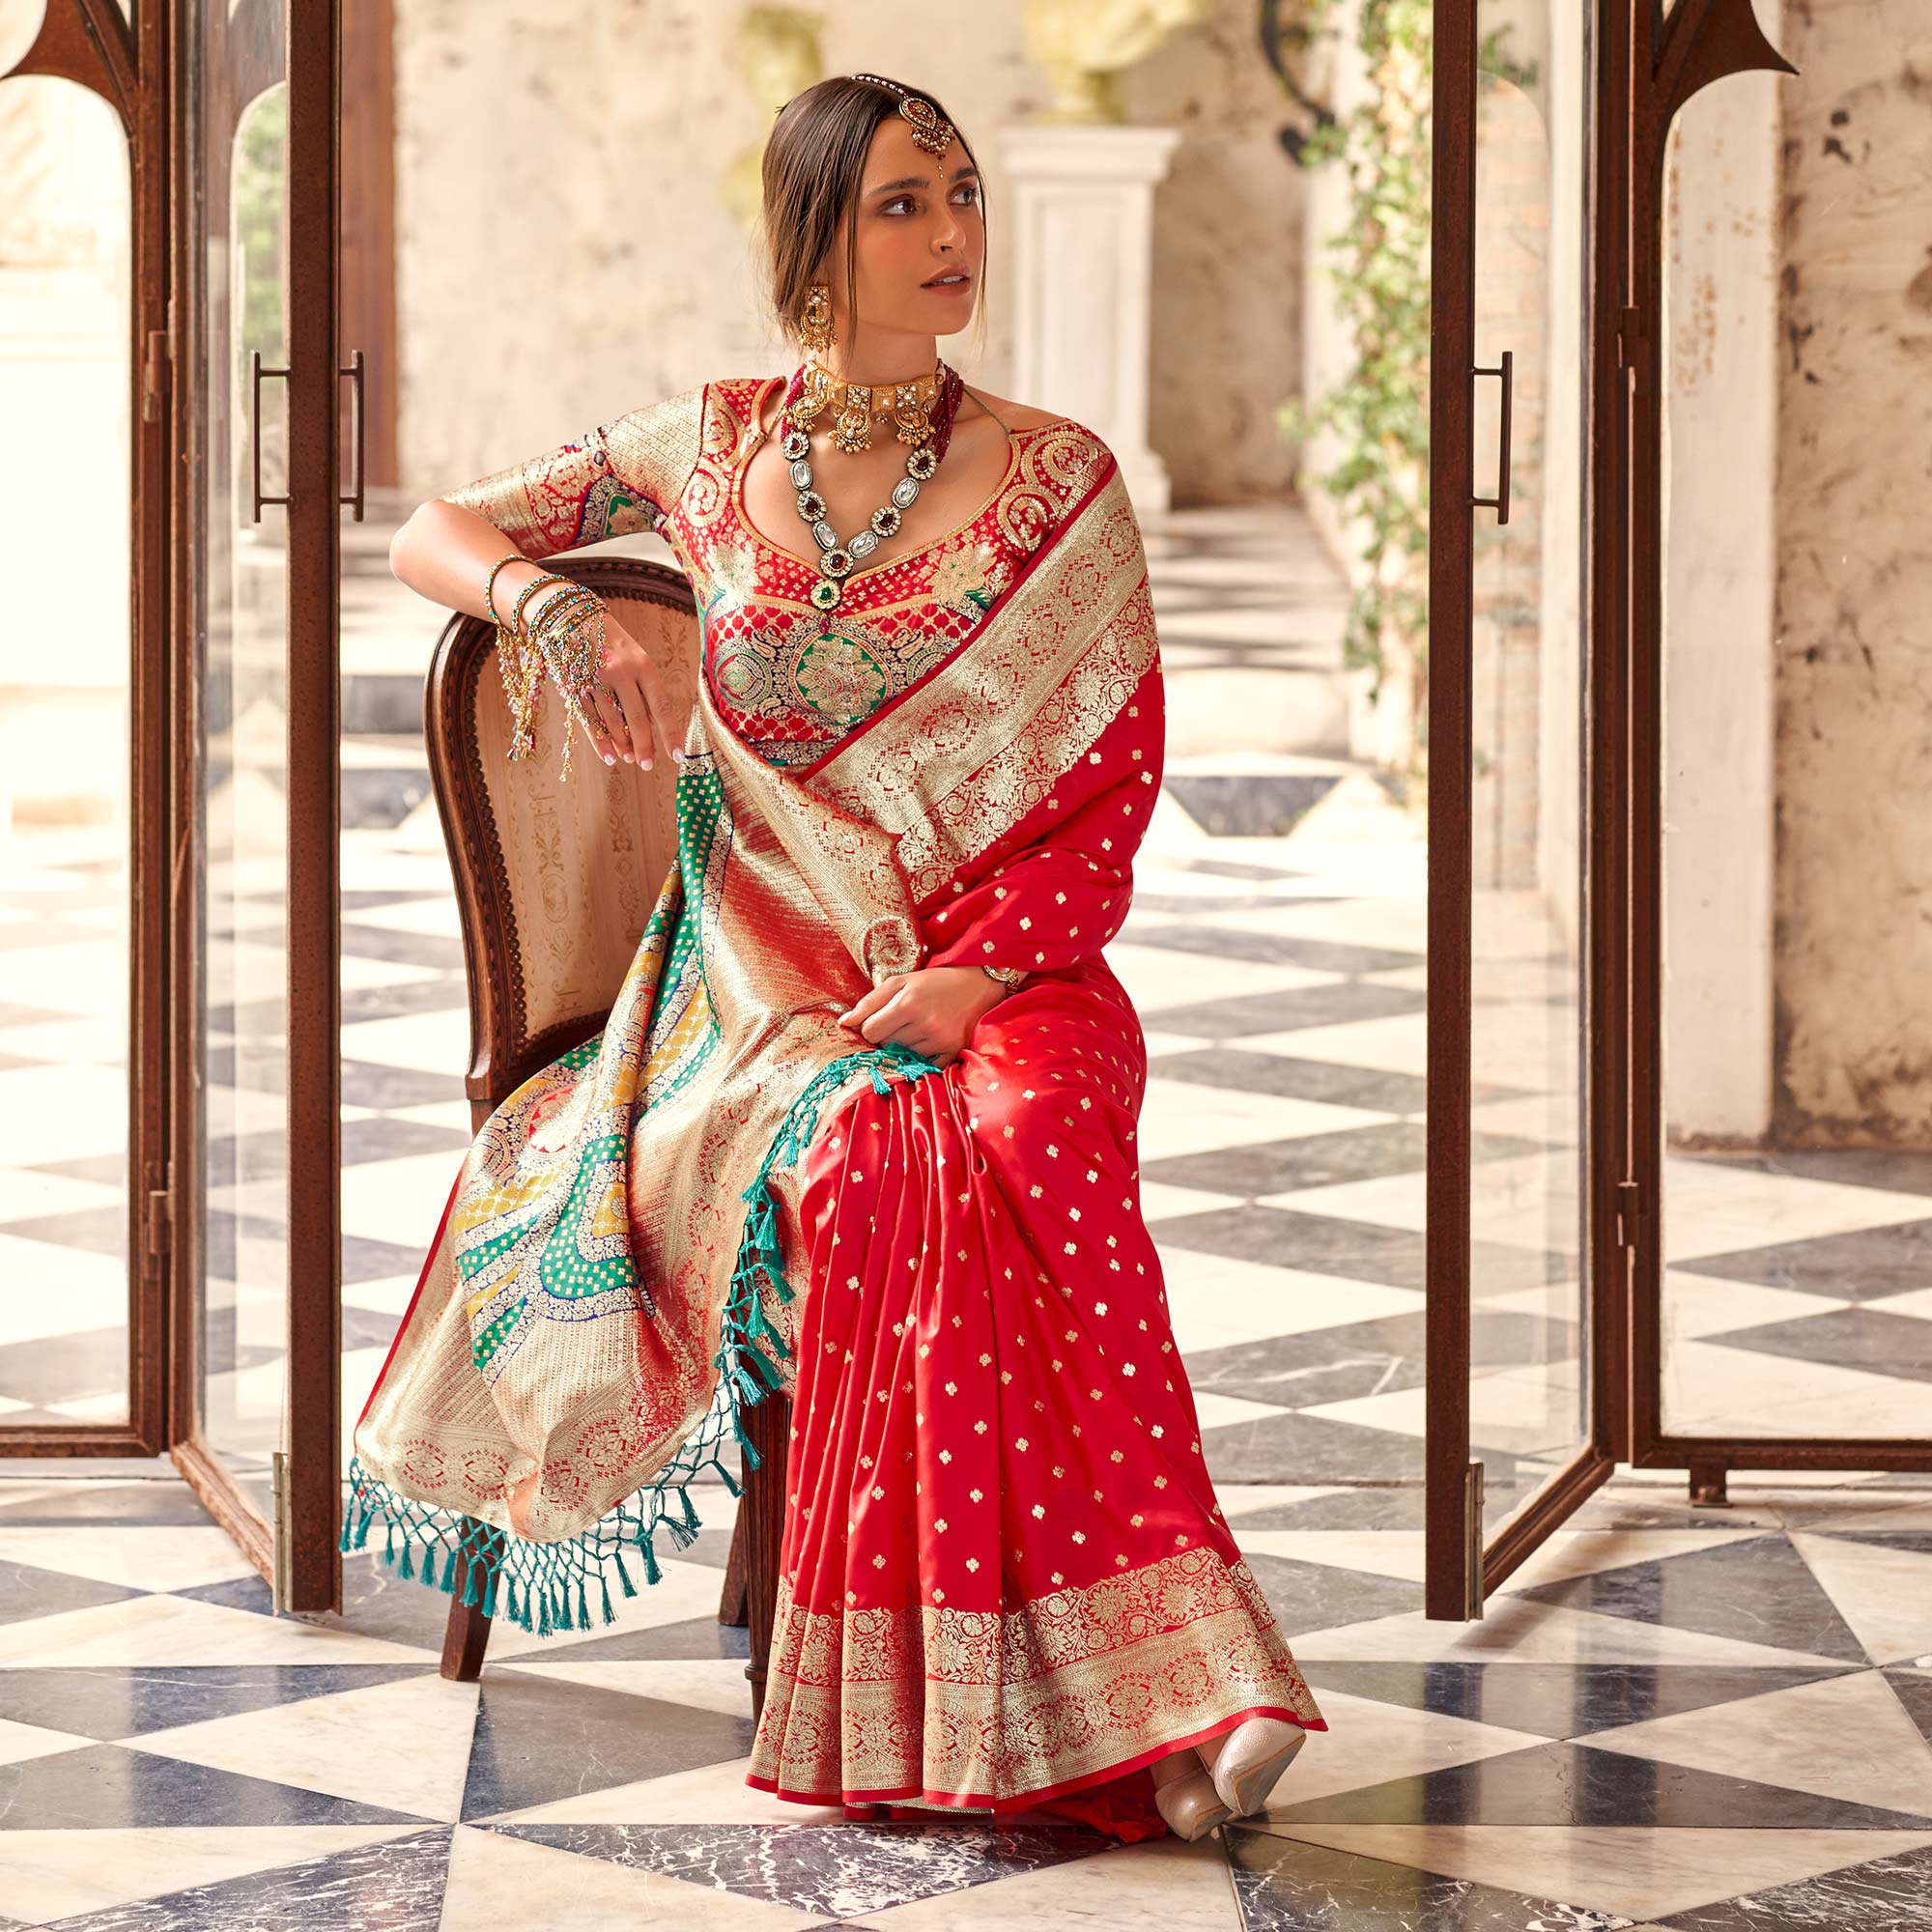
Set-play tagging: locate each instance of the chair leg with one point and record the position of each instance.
(733, 1603)
(467, 1633)
(761, 1513)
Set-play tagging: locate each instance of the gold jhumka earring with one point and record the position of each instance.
(857, 407)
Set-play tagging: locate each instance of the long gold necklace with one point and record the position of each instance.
(928, 439)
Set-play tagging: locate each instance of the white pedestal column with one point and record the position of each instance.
(1083, 200)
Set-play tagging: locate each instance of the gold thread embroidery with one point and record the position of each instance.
(1003, 1702)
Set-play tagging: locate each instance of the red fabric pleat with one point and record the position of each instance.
(989, 1406)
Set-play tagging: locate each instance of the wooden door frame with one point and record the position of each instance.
(1462, 1564)
(308, 1507)
(91, 43)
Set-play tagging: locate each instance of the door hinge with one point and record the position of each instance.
(282, 1529)
(1472, 1509)
(1632, 345)
(156, 371)
(160, 1220)
(1630, 1211)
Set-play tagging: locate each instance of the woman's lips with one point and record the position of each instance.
(959, 287)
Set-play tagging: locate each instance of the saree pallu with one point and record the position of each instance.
(1005, 1575)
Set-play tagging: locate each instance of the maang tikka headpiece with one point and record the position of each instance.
(929, 128)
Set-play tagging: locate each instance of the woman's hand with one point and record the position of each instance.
(932, 1010)
(628, 699)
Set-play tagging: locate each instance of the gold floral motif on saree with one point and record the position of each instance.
(997, 1703)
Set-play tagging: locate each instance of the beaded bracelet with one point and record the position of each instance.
(566, 638)
(490, 584)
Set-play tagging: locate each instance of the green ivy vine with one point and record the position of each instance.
(1378, 266)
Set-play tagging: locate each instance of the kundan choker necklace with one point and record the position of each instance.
(930, 439)
(857, 405)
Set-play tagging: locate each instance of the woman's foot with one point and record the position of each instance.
(1245, 1762)
(1185, 1793)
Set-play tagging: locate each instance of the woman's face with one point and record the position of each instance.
(918, 216)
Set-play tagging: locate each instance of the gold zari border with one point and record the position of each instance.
(964, 757)
(998, 1703)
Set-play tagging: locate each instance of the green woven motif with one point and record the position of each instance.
(577, 1264)
(544, 1587)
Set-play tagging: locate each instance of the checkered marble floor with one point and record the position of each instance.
(1707, 1720)
(1752, 1683)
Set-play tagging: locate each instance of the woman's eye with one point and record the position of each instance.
(967, 188)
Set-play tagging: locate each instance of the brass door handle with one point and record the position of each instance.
(1500, 501)
(255, 430)
(358, 418)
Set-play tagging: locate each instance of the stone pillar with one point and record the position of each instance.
(1083, 202)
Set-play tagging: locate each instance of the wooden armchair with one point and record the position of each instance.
(554, 883)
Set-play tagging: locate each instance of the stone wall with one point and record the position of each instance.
(1853, 587)
(565, 250)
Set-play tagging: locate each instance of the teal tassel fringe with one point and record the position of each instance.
(544, 1587)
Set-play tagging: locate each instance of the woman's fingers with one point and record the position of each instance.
(648, 685)
(599, 735)
(604, 703)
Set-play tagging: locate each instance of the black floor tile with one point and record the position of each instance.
(1250, 1073)
(1284, 1885)
(119, 1785)
(1884, 1894)
(1292, 1448)
(1859, 1266)
(28, 1591)
(693, 1636)
(379, 1139)
(1323, 1596)
(540, 1739)
(1557, 1700)
(400, 946)
(1755, 1591)
(365, 1082)
(1360, 1506)
(1359, 1358)
(1283, 1011)
(1253, 804)
(394, 1886)
(115, 1703)
(1913, 1690)
(844, 1868)
(1867, 1338)
(1567, 1784)
(1357, 1250)
(59, 1368)
(1198, 934)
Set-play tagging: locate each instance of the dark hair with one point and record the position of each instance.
(814, 165)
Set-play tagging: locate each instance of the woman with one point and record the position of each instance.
(871, 1003)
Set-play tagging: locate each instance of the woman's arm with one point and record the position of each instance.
(622, 475)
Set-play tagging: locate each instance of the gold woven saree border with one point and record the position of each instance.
(991, 1703)
(964, 757)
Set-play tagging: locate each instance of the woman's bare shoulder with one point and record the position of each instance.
(1015, 416)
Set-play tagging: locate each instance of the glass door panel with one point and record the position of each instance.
(66, 937)
(1512, 1442)
(1528, 1274)
(240, 124)
(1791, 1303)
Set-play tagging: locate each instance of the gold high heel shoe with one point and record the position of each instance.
(1184, 1795)
(1246, 1761)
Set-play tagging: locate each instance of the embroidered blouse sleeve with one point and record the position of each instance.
(1057, 897)
(622, 475)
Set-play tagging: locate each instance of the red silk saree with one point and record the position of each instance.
(1005, 1579)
